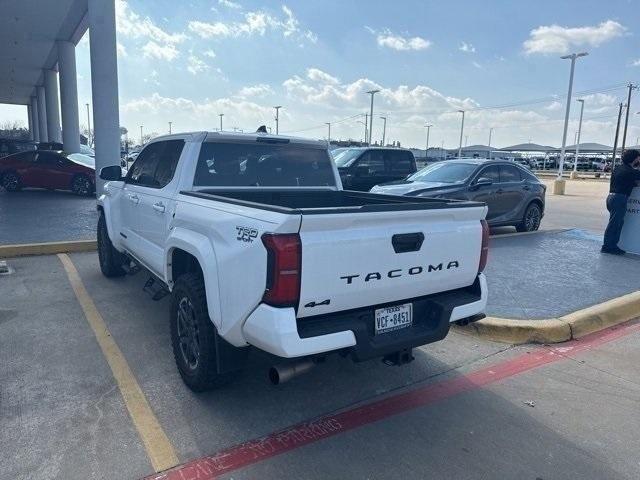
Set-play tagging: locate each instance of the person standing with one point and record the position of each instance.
(623, 179)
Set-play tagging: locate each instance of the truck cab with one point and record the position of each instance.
(362, 168)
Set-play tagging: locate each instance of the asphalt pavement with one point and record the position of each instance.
(466, 408)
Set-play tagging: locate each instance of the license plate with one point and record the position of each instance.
(393, 318)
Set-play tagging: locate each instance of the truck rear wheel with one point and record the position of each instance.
(194, 337)
(111, 260)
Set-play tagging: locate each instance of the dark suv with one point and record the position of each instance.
(362, 168)
(514, 195)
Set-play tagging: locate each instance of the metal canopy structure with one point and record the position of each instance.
(37, 54)
(528, 147)
(588, 148)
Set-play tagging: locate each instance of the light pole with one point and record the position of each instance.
(558, 185)
(631, 87)
(372, 93)
(444, 156)
(221, 115)
(88, 126)
(490, 132)
(365, 127)
(141, 141)
(466, 140)
(170, 127)
(574, 174)
(384, 129)
(277, 107)
(461, 132)
(328, 124)
(426, 150)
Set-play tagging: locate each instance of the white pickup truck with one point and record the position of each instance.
(260, 246)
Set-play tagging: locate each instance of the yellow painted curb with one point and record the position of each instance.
(556, 330)
(49, 248)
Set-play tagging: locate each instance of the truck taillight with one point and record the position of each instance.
(484, 252)
(284, 260)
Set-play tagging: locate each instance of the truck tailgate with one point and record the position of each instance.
(352, 260)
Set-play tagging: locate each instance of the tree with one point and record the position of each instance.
(14, 130)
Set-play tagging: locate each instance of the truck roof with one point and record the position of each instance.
(242, 137)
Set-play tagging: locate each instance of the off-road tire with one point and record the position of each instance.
(11, 182)
(111, 260)
(189, 322)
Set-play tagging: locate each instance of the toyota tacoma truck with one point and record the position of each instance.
(259, 247)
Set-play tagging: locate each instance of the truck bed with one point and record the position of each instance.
(310, 202)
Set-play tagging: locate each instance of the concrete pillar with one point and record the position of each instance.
(35, 123)
(53, 112)
(42, 114)
(30, 120)
(69, 97)
(104, 84)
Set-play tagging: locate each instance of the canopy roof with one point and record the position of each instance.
(528, 147)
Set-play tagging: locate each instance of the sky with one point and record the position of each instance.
(189, 61)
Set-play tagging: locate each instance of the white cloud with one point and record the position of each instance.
(467, 48)
(554, 106)
(230, 4)
(259, 90)
(321, 77)
(636, 63)
(477, 65)
(122, 52)
(210, 53)
(163, 52)
(254, 23)
(556, 39)
(398, 42)
(132, 25)
(196, 65)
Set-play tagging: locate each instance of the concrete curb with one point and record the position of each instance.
(49, 248)
(556, 330)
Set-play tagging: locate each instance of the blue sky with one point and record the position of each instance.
(186, 62)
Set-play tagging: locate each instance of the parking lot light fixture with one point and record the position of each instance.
(372, 93)
(575, 160)
(558, 186)
(277, 118)
(426, 150)
(384, 129)
(141, 141)
(489, 145)
(221, 115)
(461, 133)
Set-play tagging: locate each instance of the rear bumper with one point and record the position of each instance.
(277, 331)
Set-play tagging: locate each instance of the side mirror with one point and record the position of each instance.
(482, 182)
(362, 171)
(112, 172)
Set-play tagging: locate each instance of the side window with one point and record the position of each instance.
(168, 162)
(144, 168)
(509, 173)
(400, 161)
(492, 173)
(373, 160)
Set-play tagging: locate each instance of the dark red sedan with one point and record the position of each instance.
(47, 169)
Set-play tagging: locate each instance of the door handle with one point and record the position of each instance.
(158, 207)
(134, 199)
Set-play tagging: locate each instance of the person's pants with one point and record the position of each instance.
(617, 206)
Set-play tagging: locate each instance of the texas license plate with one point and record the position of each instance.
(393, 318)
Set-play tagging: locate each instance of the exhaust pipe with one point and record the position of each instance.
(283, 373)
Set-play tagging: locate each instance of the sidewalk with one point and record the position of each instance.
(550, 274)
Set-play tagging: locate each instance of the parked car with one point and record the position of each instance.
(363, 167)
(9, 146)
(48, 169)
(56, 146)
(259, 247)
(514, 195)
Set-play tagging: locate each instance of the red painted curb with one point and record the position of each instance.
(254, 451)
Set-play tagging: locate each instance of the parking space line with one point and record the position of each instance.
(255, 451)
(156, 443)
